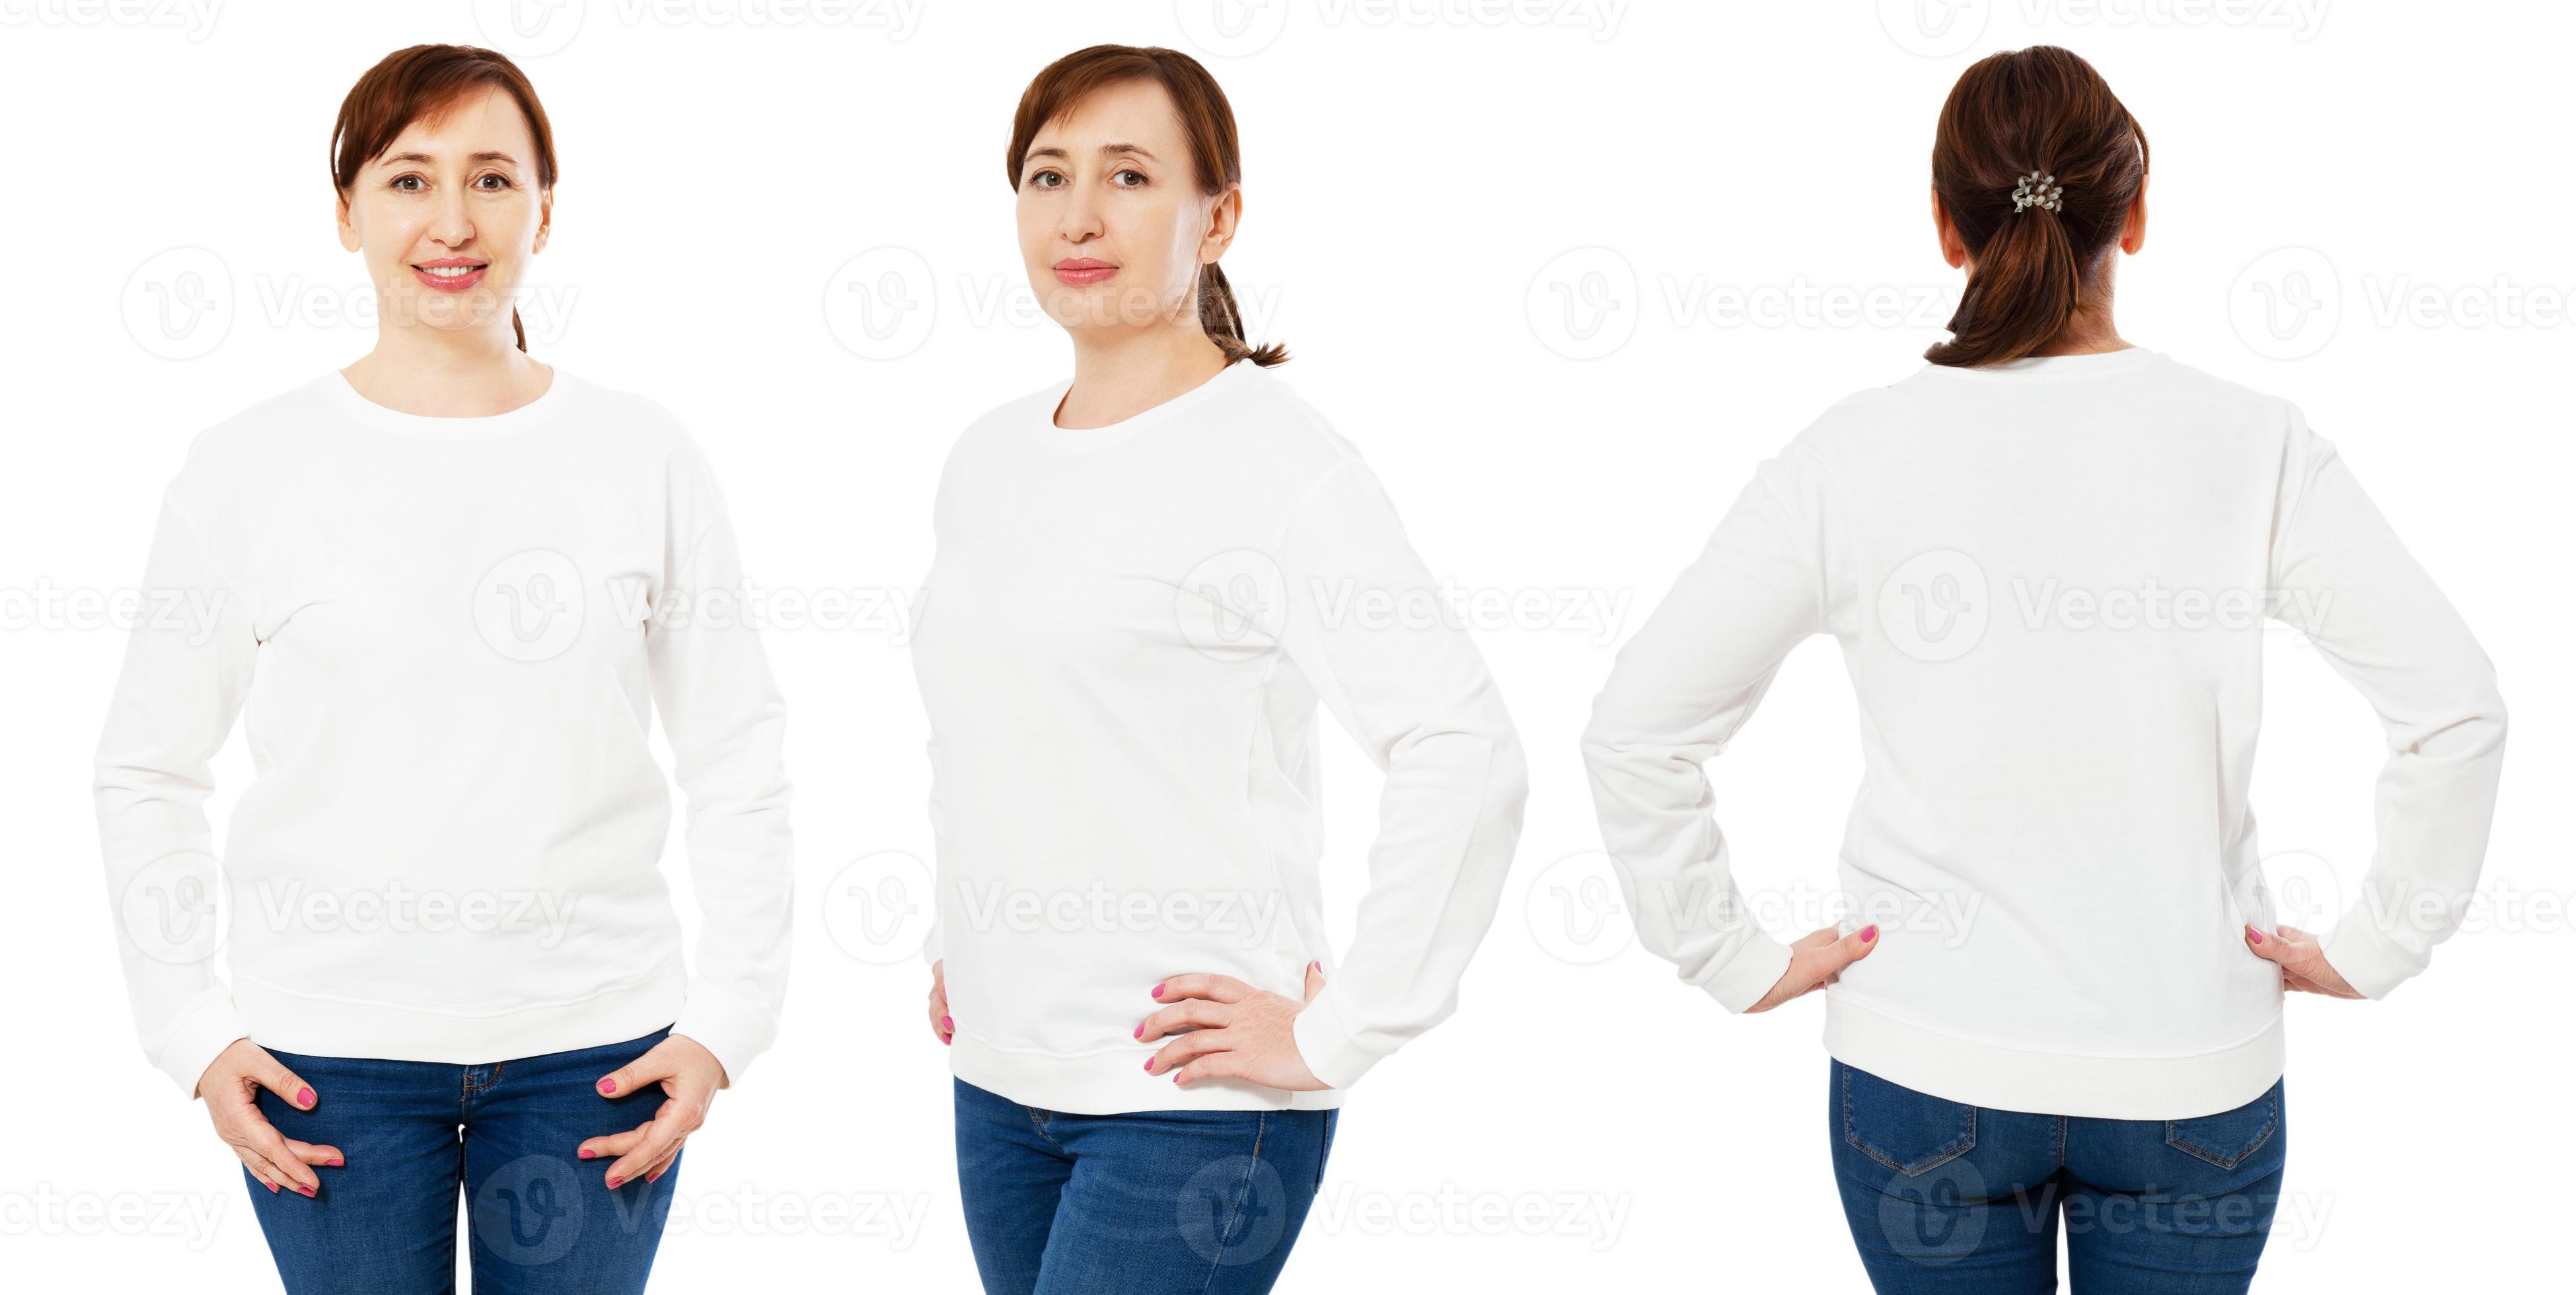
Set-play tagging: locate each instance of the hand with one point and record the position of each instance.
(231, 1087)
(1222, 1026)
(940, 1026)
(1816, 960)
(2303, 961)
(690, 1076)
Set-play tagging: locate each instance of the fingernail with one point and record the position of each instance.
(608, 1085)
(1149, 1065)
(2254, 935)
(948, 1023)
(613, 1182)
(587, 1154)
(304, 1097)
(304, 1189)
(1316, 965)
(1869, 933)
(653, 1177)
(272, 1187)
(1158, 991)
(335, 1160)
(1139, 1031)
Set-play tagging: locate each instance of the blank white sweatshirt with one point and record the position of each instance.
(1123, 640)
(449, 635)
(2048, 580)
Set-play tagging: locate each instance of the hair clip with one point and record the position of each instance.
(2036, 190)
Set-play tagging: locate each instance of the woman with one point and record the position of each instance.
(448, 584)
(2046, 557)
(1145, 581)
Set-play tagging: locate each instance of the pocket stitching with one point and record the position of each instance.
(1967, 1139)
(2272, 1121)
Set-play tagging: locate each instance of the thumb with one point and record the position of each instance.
(1314, 979)
(273, 1075)
(2269, 947)
(635, 1075)
(1853, 947)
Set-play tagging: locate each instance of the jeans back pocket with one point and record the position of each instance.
(1905, 1130)
(2227, 1138)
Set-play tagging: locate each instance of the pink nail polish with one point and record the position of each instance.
(587, 1153)
(948, 1023)
(1869, 933)
(304, 1097)
(272, 1187)
(335, 1160)
(1158, 991)
(608, 1085)
(304, 1189)
(1316, 965)
(1139, 1031)
(2254, 935)
(613, 1182)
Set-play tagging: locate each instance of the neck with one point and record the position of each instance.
(2090, 332)
(1120, 373)
(449, 373)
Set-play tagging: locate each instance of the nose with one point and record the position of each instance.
(451, 227)
(1080, 222)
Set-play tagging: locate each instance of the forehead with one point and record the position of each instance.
(484, 119)
(1136, 112)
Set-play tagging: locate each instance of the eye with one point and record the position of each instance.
(1130, 178)
(407, 184)
(492, 182)
(1048, 178)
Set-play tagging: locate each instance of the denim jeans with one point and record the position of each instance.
(1943, 1196)
(1151, 1201)
(507, 1134)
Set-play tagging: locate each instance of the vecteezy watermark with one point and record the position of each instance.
(884, 303)
(178, 304)
(534, 28)
(2288, 303)
(1594, 1218)
(190, 1218)
(1582, 910)
(195, 18)
(545, 915)
(1240, 603)
(1575, 911)
(181, 303)
(531, 606)
(1234, 28)
(879, 907)
(1940, 28)
(1587, 303)
(188, 615)
(894, 1218)
(1938, 605)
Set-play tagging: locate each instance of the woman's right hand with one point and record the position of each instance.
(231, 1089)
(940, 1025)
(1816, 960)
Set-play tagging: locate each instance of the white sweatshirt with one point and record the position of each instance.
(1122, 643)
(2047, 579)
(439, 630)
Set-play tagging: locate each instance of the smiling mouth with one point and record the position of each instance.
(450, 276)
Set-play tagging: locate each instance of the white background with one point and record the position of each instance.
(1410, 184)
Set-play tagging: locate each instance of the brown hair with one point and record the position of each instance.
(1206, 118)
(422, 81)
(2039, 109)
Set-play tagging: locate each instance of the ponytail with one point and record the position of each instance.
(1223, 323)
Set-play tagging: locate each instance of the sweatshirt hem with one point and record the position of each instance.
(1112, 1083)
(282, 1021)
(2001, 1077)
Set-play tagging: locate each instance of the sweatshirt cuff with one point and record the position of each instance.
(734, 1029)
(2364, 955)
(201, 1036)
(1325, 1040)
(1742, 980)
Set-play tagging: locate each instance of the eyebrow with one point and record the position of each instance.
(486, 156)
(1106, 150)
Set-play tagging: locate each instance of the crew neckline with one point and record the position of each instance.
(338, 390)
(1071, 440)
(2052, 368)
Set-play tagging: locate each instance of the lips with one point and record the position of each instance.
(1082, 271)
(450, 273)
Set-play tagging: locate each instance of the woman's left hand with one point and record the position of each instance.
(1221, 1026)
(2303, 961)
(689, 1076)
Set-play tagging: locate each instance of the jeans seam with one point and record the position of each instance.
(1853, 1138)
(1234, 1216)
(2271, 1123)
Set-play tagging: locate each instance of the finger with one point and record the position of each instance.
(1834, 955)
(1314, 979)
(314, 1153)
(276, 1078)
(653, 1067)
(292, 1173)
(1818, 938)
(2296, 934)
(1214, 1065)
(1221, 989)
(655, 1173)
(2270, 947)
(612, 1145)
(678, 1118)
(1196, 1014)
(1185, 1046)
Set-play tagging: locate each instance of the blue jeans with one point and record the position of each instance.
(507, 1134)
(1151, 1201)
(1947, 1197)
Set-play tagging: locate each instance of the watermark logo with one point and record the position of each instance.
(528, 28)
(1231, 28)
(1934, 607)
(196, 18)
(1584, 304)
(1233, 605)
(529, 1210)
(1576, 912)
(529, 606)
(1233, 1211)
(879, 907)
(1933, 28)
(2286, 303)
(175, 909)
(1938, 1216)
(179, 304)
(881, 304)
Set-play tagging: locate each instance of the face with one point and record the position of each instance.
(1113, 226)
(450, 215)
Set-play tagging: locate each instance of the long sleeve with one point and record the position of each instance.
(2341, 577)
(1682, 687)
(725, 721)
(1417, 697)
(187, 669)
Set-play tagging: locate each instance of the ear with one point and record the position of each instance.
(545, 219)
(348, 232)
(1223, 215)
(1953, 248)
(2133, 232)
